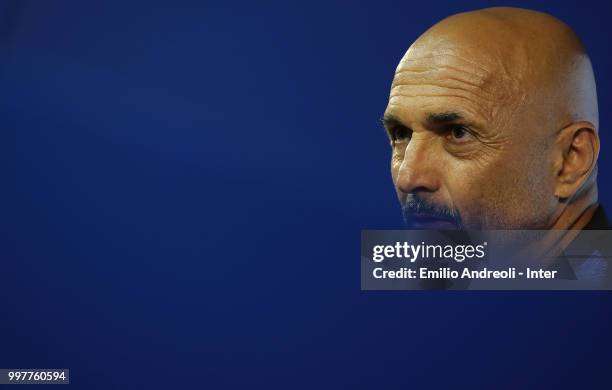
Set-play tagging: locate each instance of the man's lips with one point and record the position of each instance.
(423, 221)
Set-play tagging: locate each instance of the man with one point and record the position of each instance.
(493, 123)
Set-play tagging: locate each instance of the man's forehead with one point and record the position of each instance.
(461, 63)
(449, 78)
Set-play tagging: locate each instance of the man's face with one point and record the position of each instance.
(466, 152)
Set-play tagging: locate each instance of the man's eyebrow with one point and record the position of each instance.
(443, 117)
(436, 118)
(389, 120)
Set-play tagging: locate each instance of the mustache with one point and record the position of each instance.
(418, 208)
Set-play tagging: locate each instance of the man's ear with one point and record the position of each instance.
(577, 149)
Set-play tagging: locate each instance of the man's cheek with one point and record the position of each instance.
(478, 211)
(468, 197)
(493, 204)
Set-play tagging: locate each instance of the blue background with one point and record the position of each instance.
(185, 187)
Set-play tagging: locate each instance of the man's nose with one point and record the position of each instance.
(419, 170)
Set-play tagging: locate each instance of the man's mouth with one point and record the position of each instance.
(429, 222)
(423, 215)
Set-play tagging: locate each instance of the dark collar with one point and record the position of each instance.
(599, 221)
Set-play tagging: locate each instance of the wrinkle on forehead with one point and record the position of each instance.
(450, 74)
(439, 57)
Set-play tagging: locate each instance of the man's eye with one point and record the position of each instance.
(400, 134)
(459, 134)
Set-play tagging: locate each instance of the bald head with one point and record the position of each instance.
(516, 56)
(518, 86)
